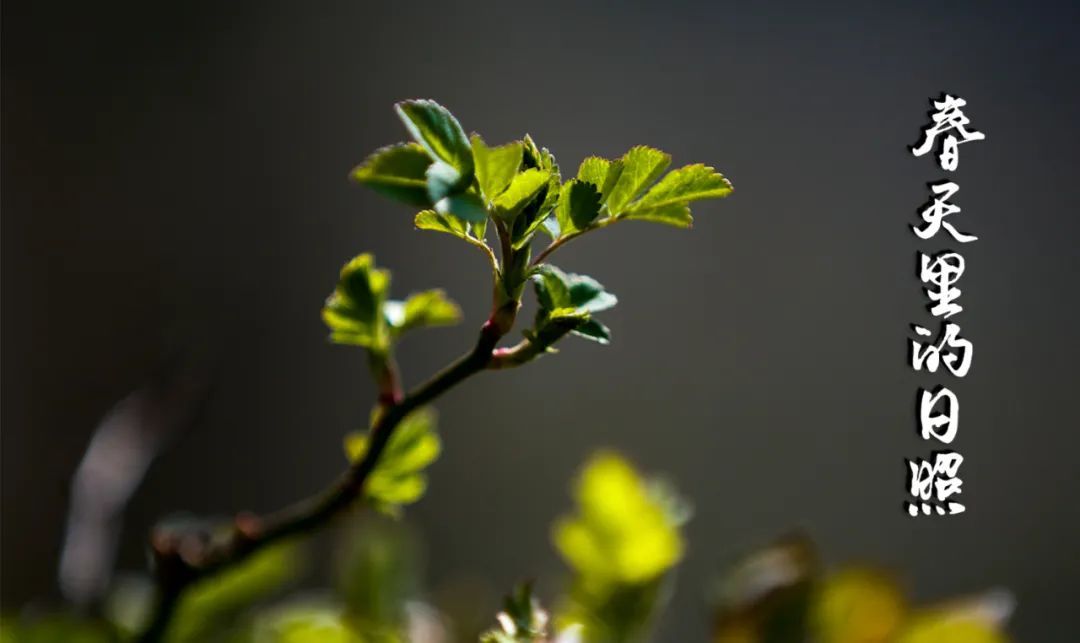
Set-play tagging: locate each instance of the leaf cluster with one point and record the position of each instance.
(465, 188)
(360, 313)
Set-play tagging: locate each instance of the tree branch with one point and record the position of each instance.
(531, 347)
(183, 559)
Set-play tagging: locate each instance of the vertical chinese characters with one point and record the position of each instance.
(933, 482)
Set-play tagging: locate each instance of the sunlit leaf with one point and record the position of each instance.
(304, 622)
(435, 128)
(641, 166)
(668, 201)
(495, 166)
(686, 184)
(353, 313)
(538, 157)
(523, 188)
(673, 214)
(578, 206)
(397, 171)
(448, 223)
(601, 173)
(945, 627)
(399, 477)
(423, 309)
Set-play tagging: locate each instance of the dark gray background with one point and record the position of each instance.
(183, 166)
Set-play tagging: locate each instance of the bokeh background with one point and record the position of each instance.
(174, 181)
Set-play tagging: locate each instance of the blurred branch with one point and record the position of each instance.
(121, 450)
(184, 558)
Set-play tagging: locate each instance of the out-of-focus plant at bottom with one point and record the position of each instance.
(621, 544)
(782, 594)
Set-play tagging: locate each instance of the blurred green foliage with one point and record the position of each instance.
(620, 544)
(782, 594)
(53, 628)
(209, 611)
(399, 478)
(359, 312)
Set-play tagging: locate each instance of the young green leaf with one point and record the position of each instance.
(564, 296)
(534, 214)
(578, 206)
(541, 158)
(398, 478)
(686, 184)
(466, 206)
(397, 171)
(552, 287)
(587, 294)
(601, 172)
(557, 289)
(523, 188)
(448, 223)
(673, 214)
(594, 330)
(425, 309)
(353, 313)
(641, 166)
(495, 166)
(537, 157)
(434, 127)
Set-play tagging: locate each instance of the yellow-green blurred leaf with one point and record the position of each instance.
(399, 477)
(947, 627)
(304, 623)
(52, 628)
(858, 605)
(620, 534)
(216, 601)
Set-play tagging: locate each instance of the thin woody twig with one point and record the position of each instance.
(181, 562)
